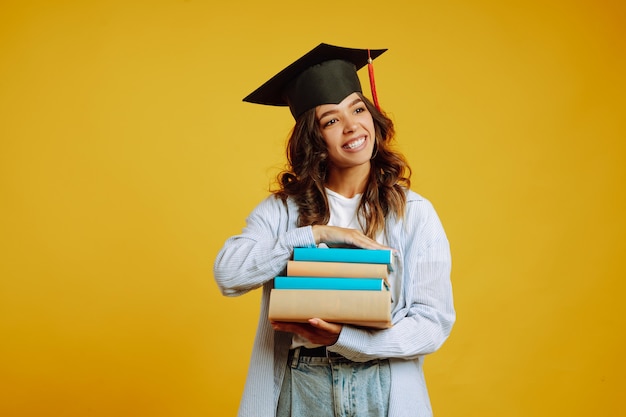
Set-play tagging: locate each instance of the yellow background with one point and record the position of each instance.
(127, 158)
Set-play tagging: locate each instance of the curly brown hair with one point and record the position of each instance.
(304, 177)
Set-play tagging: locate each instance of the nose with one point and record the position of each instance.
(350, 124)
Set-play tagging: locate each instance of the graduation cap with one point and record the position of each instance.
(324, 75)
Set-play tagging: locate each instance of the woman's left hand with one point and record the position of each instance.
(316, 331)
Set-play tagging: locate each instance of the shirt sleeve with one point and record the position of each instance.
(424, 315)
(261, 251)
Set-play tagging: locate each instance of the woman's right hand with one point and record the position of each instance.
(341, 236)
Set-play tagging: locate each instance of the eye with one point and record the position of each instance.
(329, 122)
(360, 110)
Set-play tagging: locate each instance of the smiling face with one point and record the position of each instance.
(348, 131)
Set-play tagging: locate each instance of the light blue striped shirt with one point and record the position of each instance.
(422, 316)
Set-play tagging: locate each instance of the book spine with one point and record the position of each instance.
(329, 283)
(361, 308)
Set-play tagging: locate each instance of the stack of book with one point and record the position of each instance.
(337, 285)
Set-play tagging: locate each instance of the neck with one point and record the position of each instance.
(348, 182)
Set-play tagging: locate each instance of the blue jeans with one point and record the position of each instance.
(334, 387)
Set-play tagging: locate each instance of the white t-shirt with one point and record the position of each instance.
(343, 210)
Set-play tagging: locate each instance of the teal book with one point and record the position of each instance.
(329, 283)
(374, 256)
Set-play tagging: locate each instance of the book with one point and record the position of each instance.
(336, 269)
(329, 283)
(349, 255)
(360, 308)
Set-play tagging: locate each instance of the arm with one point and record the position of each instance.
(261, 251)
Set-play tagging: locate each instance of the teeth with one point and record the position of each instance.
(355, 144)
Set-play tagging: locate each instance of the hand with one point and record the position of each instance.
(341, 236)
(315, 331)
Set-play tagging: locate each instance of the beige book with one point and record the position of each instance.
(336, 269)
(360, 308)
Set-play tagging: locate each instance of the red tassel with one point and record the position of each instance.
(370, 71)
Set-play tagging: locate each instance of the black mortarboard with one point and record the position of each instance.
(324, 75)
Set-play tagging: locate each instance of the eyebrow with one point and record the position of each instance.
(329, 112)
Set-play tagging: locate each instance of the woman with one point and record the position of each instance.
(344, 185)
